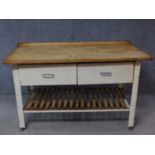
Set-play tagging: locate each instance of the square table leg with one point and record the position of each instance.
(134, 94)
(18, 94)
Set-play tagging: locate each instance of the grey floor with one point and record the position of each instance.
(81, 123)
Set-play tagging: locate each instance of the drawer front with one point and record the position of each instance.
(102, 73)
(47, 74)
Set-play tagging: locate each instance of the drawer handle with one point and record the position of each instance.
(46, 76)
(105, 74)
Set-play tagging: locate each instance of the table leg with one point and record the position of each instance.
(18, 94)
(30, 89)
(121, 85)
(134, 94)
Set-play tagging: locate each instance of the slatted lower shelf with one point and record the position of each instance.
(77, 100)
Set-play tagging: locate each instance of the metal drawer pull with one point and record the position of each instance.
(105, 74)
(48, 76)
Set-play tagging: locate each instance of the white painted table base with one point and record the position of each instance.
(18, 94)
(134, 94)
(135, 81)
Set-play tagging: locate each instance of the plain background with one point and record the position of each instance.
(140, 32)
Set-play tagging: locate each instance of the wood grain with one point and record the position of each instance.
(75, 52)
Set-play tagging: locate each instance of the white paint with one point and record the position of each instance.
(105, 73)
(68, 111)
(93, 73)
(47, 74)
(18, 94)
(134, 94)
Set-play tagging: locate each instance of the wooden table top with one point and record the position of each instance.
(75, 52)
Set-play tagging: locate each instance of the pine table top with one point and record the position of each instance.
(75, 52)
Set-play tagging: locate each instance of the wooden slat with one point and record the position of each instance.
(121, 96)
(65, 99)
(110, 98)
(48, 99)
(71, 103)
(116, 100)
(59, 104)
(47, 104)
(76, 104)
(122, 91)
(54, 99)
(31, 100)
(53, 104)
(88, 104)
(82, 104)
(78, 99)
(105, 103)
(43, 99)
(99, 104)
(37, 100)
(65, 104)
(94, 103)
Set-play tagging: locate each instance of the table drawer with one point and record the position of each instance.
(101, 73)
(47, 74)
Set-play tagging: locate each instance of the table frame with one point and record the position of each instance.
(134, 93)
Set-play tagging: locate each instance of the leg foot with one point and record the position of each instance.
(132, 125)
(131, 128)
(22, 129)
